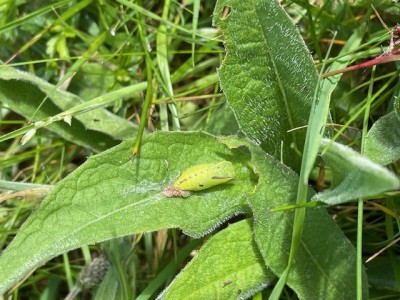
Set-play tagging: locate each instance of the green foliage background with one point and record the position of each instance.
(77, 78)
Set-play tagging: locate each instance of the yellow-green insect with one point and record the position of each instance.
(200, 177)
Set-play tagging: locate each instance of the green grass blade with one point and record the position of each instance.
(315, 131)
(196, 8)
(149, 91)
(163, 65)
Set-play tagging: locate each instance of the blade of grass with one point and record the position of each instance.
(318, 116)
(360, 212)
(149, 92)
(115, 254)
(312, 30)
(196, 8)
(21, 186)
(163, 65)
(68, 272)
(315, 131)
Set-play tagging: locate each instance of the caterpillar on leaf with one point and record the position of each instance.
(200, 177)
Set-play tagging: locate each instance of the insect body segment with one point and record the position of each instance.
(204, 176)
(200, 177)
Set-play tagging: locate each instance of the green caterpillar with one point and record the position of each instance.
(200, 177)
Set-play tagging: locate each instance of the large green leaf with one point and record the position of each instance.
(355, 176)
(109, 197)
(382, 144)
(325, 264)
(228, 266)
(268, 75)
(98, 129)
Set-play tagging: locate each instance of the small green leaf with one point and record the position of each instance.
(228, 265)
(356, 175)
(382, 144)
(97, 129)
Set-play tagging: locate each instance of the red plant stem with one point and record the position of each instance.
(385, 58)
